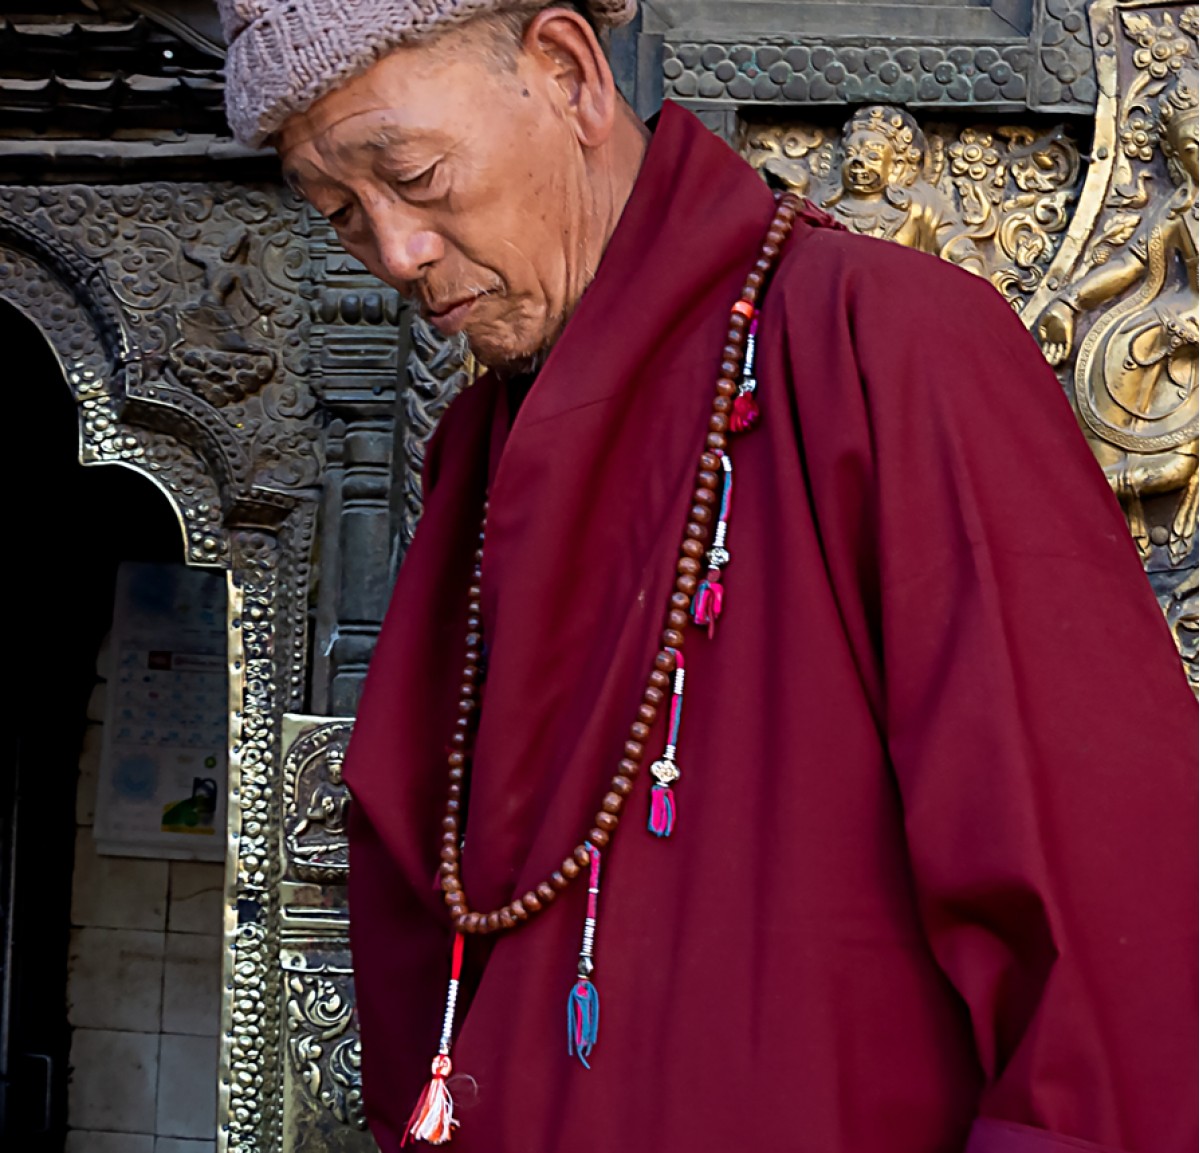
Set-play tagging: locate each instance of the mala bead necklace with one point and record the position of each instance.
(704, 549)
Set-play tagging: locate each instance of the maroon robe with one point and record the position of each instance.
(932, 885)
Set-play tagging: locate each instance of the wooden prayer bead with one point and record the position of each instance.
(692, 550)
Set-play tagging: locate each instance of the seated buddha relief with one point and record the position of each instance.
(884, 192)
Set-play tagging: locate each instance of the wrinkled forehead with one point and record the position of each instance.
(411, 97)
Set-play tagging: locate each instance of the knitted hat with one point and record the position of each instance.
(284, 55)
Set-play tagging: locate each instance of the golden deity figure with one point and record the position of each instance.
(1135, 380)
(884, 191)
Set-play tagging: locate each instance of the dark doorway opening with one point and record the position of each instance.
(71, 527)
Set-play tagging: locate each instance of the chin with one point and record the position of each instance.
(511, 351)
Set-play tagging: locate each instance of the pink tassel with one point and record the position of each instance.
(745, 413)
(433, 1118)
(662, 811)
(706, 607)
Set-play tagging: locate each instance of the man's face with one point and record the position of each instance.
(457, 179)
(867, 167)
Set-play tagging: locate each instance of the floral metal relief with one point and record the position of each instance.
(209, 280)
(995, 200)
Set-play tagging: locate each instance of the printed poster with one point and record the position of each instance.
(163, 771)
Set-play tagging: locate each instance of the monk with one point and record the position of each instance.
(792, 756)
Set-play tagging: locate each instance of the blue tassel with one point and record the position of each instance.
(583, 1020)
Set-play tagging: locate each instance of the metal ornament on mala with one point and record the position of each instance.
(734, 409)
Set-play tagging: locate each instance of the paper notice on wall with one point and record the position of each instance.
(163, 771)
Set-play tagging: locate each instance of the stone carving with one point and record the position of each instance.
(784, 70)
(995, 201)
(323, 1046)
(315, 804)
(1064, 75)
(438, 370)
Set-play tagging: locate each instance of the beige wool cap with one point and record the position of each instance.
(284, 55)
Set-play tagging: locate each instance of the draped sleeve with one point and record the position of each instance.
(1041, 732)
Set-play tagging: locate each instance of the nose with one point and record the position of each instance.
(405, 246)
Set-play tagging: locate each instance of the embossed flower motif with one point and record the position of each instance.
(1162, 51)
(1189, 21)
(1138, 139)
(972, 155)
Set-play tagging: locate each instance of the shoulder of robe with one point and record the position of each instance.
(879, 285)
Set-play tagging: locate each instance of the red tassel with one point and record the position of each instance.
(745, 413)
(433, 1118)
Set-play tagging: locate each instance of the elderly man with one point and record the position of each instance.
(901, 874)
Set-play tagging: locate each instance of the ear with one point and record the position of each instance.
(561, 45)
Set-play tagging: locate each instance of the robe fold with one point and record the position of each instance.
(932, 883)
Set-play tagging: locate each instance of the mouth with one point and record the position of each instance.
(450, 316)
